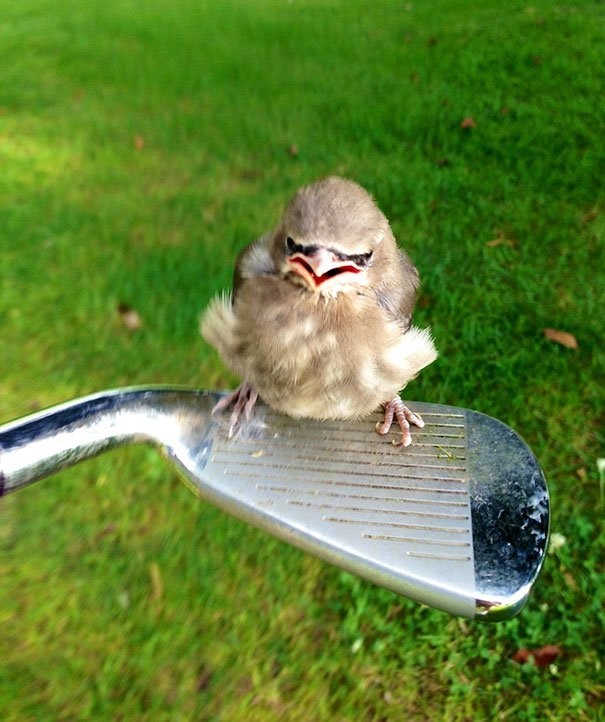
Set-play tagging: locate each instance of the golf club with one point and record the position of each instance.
(458, 520)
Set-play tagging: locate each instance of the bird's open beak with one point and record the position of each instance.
(320, 266)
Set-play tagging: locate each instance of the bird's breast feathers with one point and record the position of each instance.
(313, 356)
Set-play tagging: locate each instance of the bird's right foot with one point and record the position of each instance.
(243, 400)
(396, 410)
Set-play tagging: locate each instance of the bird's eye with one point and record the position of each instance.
(291, 245)
(362, 259)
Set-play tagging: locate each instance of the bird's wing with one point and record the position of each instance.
(397, 293)
(254, 260)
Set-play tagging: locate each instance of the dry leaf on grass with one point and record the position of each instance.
(468, 123)
(541, 657)
(204, 679)
(130, 318)
(157, 586)
(501, 240)
(562, 337)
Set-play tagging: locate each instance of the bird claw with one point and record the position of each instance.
(398, 411)
(243, 400)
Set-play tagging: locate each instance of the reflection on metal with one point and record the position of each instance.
(458, 521)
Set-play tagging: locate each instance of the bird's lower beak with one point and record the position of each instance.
(319, 266)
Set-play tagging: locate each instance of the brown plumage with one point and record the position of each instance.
(319, 322)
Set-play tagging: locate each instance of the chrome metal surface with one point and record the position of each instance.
(458, 520)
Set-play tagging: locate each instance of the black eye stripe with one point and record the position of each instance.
(359, 259)
(293, 247)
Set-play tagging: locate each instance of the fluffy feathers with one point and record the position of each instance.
(319, 323)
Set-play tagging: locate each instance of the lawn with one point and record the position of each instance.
(142, 145)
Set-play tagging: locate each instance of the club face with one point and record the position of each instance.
(458, 521)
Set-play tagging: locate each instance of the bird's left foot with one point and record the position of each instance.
(243, 400)
(396, 410)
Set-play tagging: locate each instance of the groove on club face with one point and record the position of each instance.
(406, 519)
(458, 520)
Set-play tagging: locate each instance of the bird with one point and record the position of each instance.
(319, 320)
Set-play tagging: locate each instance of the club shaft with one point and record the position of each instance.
(43, 443)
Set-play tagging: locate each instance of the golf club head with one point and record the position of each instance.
(458, 521)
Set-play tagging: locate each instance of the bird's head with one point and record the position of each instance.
(332, 238)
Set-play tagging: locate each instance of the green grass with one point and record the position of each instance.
(141, 146)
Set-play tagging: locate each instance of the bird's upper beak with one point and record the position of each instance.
(320, 265)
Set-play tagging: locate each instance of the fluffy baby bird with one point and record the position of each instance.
(319, 321)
